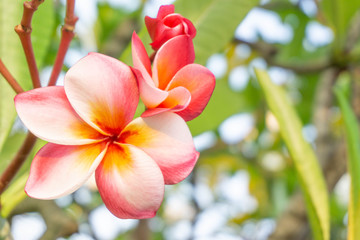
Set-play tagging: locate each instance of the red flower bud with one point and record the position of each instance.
(167, 25)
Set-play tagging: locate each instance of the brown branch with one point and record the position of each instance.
(17, 162)
(24, 31)
(67, 34)
(268, 52)
(9, 78)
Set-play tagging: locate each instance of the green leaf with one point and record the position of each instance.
(339, 14)
(11, 53)
(353, 153)
(306, 164)
(215, 22)
(13, 195)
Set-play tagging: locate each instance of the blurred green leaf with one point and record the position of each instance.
(339, 14)
(13, 195)
(353, 153)
(223, 103)
(215, 22)
(11, 53)
(307, 166)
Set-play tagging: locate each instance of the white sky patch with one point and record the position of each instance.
(217, 64)
(318, 35)
(266, 23)
(308, 7)
(309, 132)
(83, 196)
(80, 236)
(107, 226)
(235, 189)
(243, 51)
(260, 230)
(211, 220)
(64, 201)
(30, 226)
(239, 78)
(273, 161)
(45, 76)
(256, 63)
(203, 195)
(279, 75)
(87, 14)
(180, 231)
(236, 128)
(205, 141)
(73, 55)
(342, 190)
(151, 7)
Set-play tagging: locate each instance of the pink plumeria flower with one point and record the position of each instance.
(167, 25)
(174, 83)
(89, 125)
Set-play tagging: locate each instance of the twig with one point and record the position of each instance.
(67, 34)
(17, 162)
(24, 31)
(9, 78)
(268, 52)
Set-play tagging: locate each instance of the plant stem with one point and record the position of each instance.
(24, 31)
(9, 78)
(67, 34)
(17, 161)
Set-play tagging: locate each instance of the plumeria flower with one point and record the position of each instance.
(88, 124)
(167, 25)
(174, 83)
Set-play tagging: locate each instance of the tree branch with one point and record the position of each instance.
(17, 162)
(67, 34)
(9, 78)
(24, 31)
(268, 52)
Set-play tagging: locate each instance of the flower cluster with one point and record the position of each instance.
(89, 122)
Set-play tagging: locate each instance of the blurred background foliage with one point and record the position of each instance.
(244, 185)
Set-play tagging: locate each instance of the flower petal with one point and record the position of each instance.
(47, 113)
(152, 23)
(58, 170)
(165, 138)
(129, 182)
(103, 91)
(165, 10)
(141, 59)
(200, 82)
(178, 99)
(171, 57)
(149, 94)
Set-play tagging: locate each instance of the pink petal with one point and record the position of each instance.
(149, 94)
(48, 114)
(171, 57)
(165, 138)
(151, 25)
(58, 170)
(178, 99)
(165, 10)
(129, 182)
(141, 59)
(200, 82)
(103, 91)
